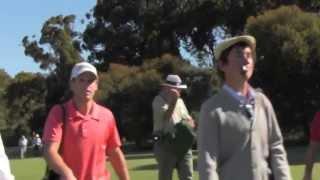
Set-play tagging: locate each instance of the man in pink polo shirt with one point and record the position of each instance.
(88, 135)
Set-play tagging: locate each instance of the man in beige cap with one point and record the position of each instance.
(238, 135)
(168, 111)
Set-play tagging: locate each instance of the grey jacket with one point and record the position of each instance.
(232, 146)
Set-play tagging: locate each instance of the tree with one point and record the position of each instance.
(25, 98)
(129, 92)
(5, 80)
(288, 63)
(129, 32)
(57, 50)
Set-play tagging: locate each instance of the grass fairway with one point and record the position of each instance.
(142, 167)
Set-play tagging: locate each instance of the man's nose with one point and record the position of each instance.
(245, 59)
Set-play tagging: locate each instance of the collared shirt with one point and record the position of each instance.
(160, 107)
(246, 102)
(86, 140)
(237, 95)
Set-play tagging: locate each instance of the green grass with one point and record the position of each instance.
(141, 167)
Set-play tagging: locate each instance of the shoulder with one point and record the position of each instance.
(103, 111)
(180, 101)
(262, 97)
(104, 115)
(55, 110)
(214, 101)
(157, 99)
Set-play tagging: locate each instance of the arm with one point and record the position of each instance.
(309, 159)
(52, 137)
(171, 96)
(191, 122)
(208, 133)
(118, 163)
(56, 162)
(186, 116)
(278, 156)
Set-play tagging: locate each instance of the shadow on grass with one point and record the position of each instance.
(151, 167)
(146, 167)
(296, 155)
(139, 156)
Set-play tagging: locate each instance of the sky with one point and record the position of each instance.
(21, 18)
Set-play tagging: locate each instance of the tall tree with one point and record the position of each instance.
(129, 31)
(56, 51)
(287, 68)
(25, 96)
(5, 80)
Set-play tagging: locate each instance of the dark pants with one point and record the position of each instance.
(167, 162)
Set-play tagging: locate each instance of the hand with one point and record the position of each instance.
(68, 176)
(191, 122)
(173, 95)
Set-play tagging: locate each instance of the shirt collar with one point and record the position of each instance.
(239, 97)
(73, 113)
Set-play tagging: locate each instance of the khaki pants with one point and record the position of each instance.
(167, 161)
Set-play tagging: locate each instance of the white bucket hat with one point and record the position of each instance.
(174, 81)
(82, 67)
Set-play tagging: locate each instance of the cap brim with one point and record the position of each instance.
(83, 71)
(182, 86)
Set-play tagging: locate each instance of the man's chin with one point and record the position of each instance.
(246, 75)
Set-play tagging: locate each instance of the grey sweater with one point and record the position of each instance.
(232, 146)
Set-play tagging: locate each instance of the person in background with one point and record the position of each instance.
(238, 135)
(23, 146)
(314, 144)
(36, 143)
(5, 172)
(89, 133)
(169, 110)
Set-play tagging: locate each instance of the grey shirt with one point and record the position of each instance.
(234, 146)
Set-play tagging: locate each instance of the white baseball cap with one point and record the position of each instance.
(82, 67)
(174, 81)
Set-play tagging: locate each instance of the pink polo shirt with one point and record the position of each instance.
(87, 139)
(315, 128)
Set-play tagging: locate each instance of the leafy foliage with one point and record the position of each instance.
(128, 32)
(25, 96)
(288, 62)
(129, 91)
(56, 51)
(5, 80)
(130, 43)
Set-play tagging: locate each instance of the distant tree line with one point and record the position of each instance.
(136, 44)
